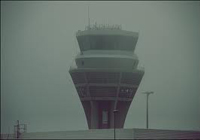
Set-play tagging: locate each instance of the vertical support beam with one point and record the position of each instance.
(87, 84)
(114, 112)
(118, 88)
(94, 115)
(94, 119)
(87, 88)
(116, 99)
(112, 107)
(92, 109)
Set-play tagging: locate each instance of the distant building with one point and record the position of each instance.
(108, 134)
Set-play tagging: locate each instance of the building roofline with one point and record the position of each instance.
(107, 32)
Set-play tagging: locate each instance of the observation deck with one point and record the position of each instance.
(106, 38)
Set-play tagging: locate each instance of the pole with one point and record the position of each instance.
(89, 16)
(147, 112)
(114, 125)
(114, 112)
(147, 108)
(18, 129)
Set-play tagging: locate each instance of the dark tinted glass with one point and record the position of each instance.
(106, 42)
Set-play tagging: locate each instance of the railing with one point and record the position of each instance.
(103, 26)
(141, 68)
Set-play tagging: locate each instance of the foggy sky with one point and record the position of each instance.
(38, 45)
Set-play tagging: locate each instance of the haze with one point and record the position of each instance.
(38, 45)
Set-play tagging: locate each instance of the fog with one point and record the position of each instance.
(38, 45)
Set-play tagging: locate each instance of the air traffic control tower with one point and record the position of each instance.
(105, 74)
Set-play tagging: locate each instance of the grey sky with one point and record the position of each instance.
(38, 46)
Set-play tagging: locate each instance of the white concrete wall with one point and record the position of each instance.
(82, 134)
(109, 134)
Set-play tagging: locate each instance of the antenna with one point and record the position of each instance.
(88, 16)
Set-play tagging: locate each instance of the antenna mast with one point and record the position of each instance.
(88, 16)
